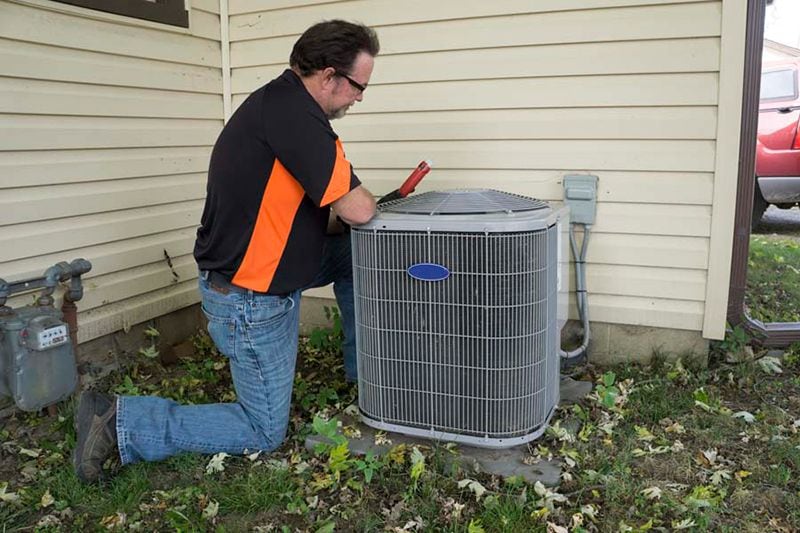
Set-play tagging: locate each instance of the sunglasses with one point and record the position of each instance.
(352, 82)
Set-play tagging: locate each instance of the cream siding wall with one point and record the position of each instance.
(515, 94)
(106, 125)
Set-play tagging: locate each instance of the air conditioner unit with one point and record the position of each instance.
(460, 299)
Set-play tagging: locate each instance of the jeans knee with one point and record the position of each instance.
(271, 438)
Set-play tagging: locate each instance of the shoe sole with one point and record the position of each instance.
(84, 417)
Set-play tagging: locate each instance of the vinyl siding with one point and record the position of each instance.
(106, 126)
(514, 95)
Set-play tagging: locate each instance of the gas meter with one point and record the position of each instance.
(37, 360)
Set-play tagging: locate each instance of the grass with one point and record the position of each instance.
(773, 279)
(657, 447)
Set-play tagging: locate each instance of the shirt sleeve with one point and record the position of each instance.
(308, 148)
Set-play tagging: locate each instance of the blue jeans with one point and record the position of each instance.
(258, 333)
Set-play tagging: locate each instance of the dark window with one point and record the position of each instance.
(171, 12)
(779, 85)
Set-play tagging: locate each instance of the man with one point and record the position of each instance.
(276, 173)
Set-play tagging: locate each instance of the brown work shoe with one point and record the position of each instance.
(95, 423)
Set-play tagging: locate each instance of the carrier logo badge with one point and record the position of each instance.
(428, 272)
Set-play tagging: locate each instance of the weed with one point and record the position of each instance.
(736, 338)
(328, 339)
(606, 390)
(127, 388)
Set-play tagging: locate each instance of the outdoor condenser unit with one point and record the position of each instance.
(460, 299)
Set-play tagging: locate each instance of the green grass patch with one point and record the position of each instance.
(773, 280)
(660, 448)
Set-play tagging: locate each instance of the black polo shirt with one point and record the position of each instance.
(275, 169)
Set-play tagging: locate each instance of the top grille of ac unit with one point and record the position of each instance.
(463, 202)
(466, 211)
(470, 355)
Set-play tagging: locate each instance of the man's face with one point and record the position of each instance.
(345, 93)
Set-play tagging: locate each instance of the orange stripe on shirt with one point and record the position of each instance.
(282, 198)
(339, 184)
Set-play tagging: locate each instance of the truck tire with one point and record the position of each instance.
(759, 206)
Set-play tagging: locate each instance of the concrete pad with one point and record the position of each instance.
(508, 462)
(573, 391)
(777, 354)
(505, 463)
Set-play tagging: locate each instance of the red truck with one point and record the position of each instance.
(778, 144)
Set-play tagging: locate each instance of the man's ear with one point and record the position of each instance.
(328, 75)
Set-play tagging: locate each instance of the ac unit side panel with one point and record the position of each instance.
(473, 355)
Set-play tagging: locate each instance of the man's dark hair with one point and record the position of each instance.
(333, 43)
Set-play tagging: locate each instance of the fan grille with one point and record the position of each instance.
(475, 354)
(463, 202)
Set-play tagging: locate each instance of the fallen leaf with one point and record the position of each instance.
(7, 496)
(114, 521)
(644, 434)
(676, 427)
(473, 486)
(770, 365)
(47, 499)
(538, 514)
(589, 511)
(686, 523)
(719, 476)
(554, 528)
(30, 453)
(744, 415)
(211, 510)
(216, 464)
(563, 434)
(381, 439)
(704, 406)
(707, 457)
(351, 432)
(652, 493)
(49, 521)
(548, 498)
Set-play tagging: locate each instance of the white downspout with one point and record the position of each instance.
(224, 27)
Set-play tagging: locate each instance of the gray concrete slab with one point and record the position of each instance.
(777, 354)
(504, 463)
(573, 391)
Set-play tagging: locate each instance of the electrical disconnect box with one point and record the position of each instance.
(37, 360)
(580, 194)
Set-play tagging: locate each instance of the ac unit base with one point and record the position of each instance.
(478, 442)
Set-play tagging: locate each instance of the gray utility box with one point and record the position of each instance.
(37, 363)
(580, 194)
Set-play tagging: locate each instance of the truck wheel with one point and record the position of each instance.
(759, 206)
